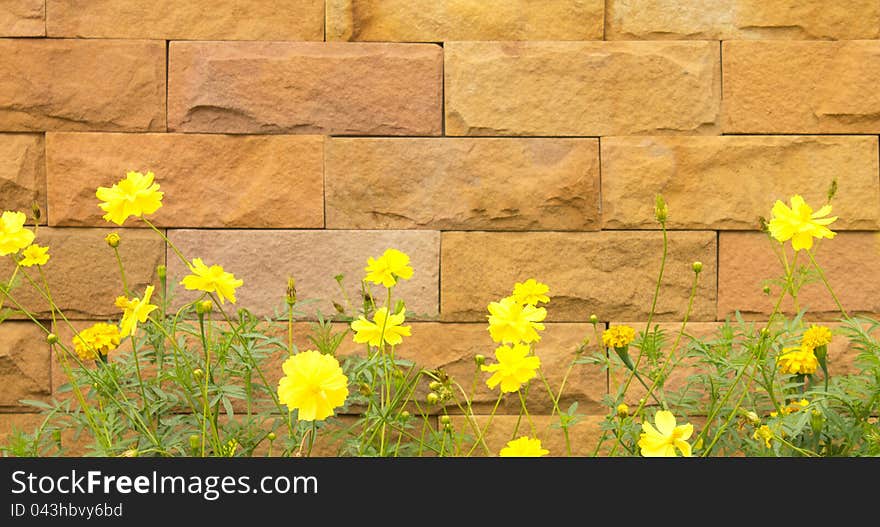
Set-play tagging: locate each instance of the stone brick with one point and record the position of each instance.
(581, 88)
(445, 20)
(208, 180)
(302, 87)
(187, 19)
(463, 184)
(801, 87)
(611, 274)
(24, 364)
(728, 182)
(583, 436)
(82, 85)
(742, 19)
(265, 258)
(83, 274)
(23, 173)
(22, 18)
(850, 262)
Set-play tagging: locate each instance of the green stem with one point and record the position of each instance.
(827, 285)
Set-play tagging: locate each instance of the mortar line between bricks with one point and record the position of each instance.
(46, 18)
(167, 69)
(442, 90)
(599, 157)
(717, 270)
(605, 20)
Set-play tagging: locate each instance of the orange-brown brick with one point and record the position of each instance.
(23, 173)
(22, 18)
(445, 20)
(609, 273)
(209, 180)
(335, 88)
(850, 262)
(729, 182)
(464, 184)
(24, 364)
(742, 19)
(801, 86)
(581, 88)
(187, 19)
(83, 274)
(82, 85)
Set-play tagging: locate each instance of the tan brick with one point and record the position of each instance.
(264, 259)
(82, 85)
(83, 274)
(187, 19)
(22, 18)
(445, 20)
(742, 19)
(581, 88)
(211, 180)
(583, 436)
(24, 364)
(23, 173)
(611, 274)
(747, 261)
(464, 184)
(728, 182)
(302, 87)
(801, 87)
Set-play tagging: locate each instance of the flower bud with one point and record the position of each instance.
(271, 436)
(194, 442)
(432, 398)
(753, 418)
(338, 307)
(445, 419)
(447, 428)
(35, 210)
(52, 338)
(364, 389)
(56, 436)
(161, 272)
(404, 415)
(290, 295)
(112, 240)
(817, 421)
(594, 319)
(697, 267)
(198, 373)
(132, 452)
(434, 386)
(661, 210)
(622, 410)
(766, 289)
(203, 307)
(765, 333)
(480, 359)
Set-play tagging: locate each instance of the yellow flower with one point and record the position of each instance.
(618, 336)
(135, 195)
(314, 384)
(763, 432)
(799, 223)
(386, 269)
(211, 280)
(816, 336)
(34, 255)
(524, 447)
(663, 440)
(134, 310)
(792, 408)
(13, 236)
(511, 322)
(531, 292)
(797, 361)
(514, 368)
(383, 326)
(99, 338)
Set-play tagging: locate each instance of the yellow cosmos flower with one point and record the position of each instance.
(383, 327)
(792, 408)
(314, 384)
(763, 433)
(511, 322)
(134, 310)
(13, 235)
(211, 280)
(531, 292)
(34, 255)
(799, 223)
(514, 368)
(100, 338)
(135, 195)
(797, 361)
(816, 336)
(386, 269)
(663, 440)
(618, 336)
(524, 447)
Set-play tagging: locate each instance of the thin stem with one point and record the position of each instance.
(827, 285)
(488, 422)
(121, 271)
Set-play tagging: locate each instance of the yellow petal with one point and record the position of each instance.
(665, 422)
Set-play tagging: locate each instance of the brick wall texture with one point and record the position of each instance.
(492, 140)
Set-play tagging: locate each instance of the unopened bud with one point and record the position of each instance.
(338, 307)
(203, 307)
(198, 373)
(753, 418)
(290, 296)
(56, 436)
(194, 442)
(432, 398)
(447, 427)
(765, 333)
(480, 359)
(271, 436)
(434, 385)
(364, 389)
(766, 289)
(445, 419)
(817, 421)
(404, 415)
(133, 452)
(594, 319)
(400, 307)
(697, 267)
(112, 240)
(661, 210)
(35, 210)
(52, 338)
(622, 410)
(161, 272)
